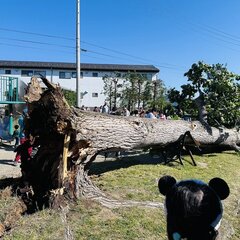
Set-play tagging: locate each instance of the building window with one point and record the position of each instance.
(94, 94)
(65, 75)
(40, 73)
(27, 73)
(74, 74)
(119, 75)
(147, 76)
(95, 74)
(7, 71)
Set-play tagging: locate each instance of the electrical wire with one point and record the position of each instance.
(169, 66)
(37, 42)
(36, 34)
(42, 49)
(214, 32)
(211, 31)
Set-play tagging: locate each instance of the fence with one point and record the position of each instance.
(9, 90)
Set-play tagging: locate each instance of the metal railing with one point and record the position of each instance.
(9, 91)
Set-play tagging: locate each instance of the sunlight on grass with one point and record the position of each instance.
(133, 178)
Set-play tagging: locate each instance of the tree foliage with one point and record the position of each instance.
(70, 96)
(219, 90)
(132, 93)
(112, 88)
(134, 90)
(159, 100)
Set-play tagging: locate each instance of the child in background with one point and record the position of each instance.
(22, 138)
(15, 135)
(24, 151)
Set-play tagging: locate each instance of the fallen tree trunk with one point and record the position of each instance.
(70, 139)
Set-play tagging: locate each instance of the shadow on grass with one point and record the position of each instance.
(9, 182)
(233, 153)
(7, 162)
(224, 152)
(6, 147)
(98, 168)
(211, 155)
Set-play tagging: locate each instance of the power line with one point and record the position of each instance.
(37, 42)
(142, 60)
(218, 32)
(107, 55)
(170, 66)
(207, 29)
(37, 34)
(42, 49)
(126, 54)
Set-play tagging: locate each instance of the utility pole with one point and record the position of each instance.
(78, 52)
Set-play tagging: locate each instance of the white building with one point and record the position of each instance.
(91, 82)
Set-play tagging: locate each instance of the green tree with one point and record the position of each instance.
(139, 91)
(132, 94)
(159, 100)
(184, 100)
(134, 90)
(147, 95)
(70, 96)
(112, 88)
(218, 94)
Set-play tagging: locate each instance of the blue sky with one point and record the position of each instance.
(169, 34)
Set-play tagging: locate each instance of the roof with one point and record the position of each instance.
(72, 66)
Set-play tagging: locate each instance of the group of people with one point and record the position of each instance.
(124, 111)
(103, 108)
(23, 145)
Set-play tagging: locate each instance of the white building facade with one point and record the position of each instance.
(64, 74)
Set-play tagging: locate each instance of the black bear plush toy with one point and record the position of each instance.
(193, 208)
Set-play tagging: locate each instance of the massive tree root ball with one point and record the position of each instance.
(69, 140)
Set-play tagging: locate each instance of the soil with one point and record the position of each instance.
(7, 168)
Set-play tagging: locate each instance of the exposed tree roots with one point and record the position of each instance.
(90, 191)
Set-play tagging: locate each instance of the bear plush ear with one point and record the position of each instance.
(165, 183)
(220, 187)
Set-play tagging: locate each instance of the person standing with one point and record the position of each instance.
(152, 114)
(105, 108)
(126, 112)
(162, 116)
(16, 135)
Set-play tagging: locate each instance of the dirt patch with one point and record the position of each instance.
(202, 164)
(7, 168)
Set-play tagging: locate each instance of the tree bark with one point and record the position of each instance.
(89, 133)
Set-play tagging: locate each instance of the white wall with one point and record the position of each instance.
(88, 84)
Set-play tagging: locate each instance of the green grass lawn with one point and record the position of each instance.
(132, 178)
